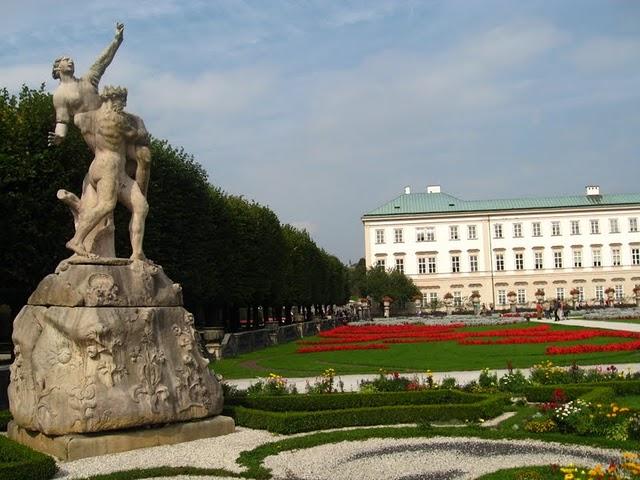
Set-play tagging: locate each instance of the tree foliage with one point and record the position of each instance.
(226, 252)
(378, 283)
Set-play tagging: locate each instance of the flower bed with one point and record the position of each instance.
(369, 337)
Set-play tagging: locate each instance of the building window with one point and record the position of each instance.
(596, 255)
(619, 295)
(499, 262)
(613, 225)
(536, 229)
(575, 227)
(557, 258)
(379, 236)
(380, 263)
(633, 224)
(397, 235)
(453, 233)
(580, 294)
(502, 297)
(431, 264)
(426, 234)
(615, 257)
(555, 229)
(517, 230)
(635, 256)
(457, 298)
(599, 293)
(455, 264)
(577, 259)
(472, 234)
(560, 293)
(400, 265)
(519, 257)
(422, 265)
(538, 261)
(522, 296)
(595, 226)
(433, 298)
(473, 263)
(497, 230)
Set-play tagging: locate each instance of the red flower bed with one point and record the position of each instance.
(609, 347)
(380, 336)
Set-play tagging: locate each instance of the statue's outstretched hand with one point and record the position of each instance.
(119, 30)
(53, 139)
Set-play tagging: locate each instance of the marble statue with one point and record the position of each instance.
(104, 343)
(80, 95)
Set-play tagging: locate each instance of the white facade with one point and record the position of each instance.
(590, 247)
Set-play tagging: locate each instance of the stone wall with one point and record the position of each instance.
(234, 344)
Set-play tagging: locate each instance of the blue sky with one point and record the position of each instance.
(324, 110)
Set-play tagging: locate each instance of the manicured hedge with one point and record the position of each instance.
(18, 462)
(305, 421)
(306, 403)
(599, 395)
(5, 418)
(543, 393)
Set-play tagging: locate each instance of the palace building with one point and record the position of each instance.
(586, 243)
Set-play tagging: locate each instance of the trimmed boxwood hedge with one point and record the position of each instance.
(543, 393)
(5, 418)
(18, 462)
(305, 403)
(305, 421)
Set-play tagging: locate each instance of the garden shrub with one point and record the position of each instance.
(288, 422)
(273, 385)
(5, 418)
(18, 462)
(542, 393)
(634, 426)
(514, 382)
(541, 425)
(311, 402)
(599, 395)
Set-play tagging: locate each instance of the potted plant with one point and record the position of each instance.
(636, 293)
(448, 301)
(512, 296)
(387, 301)
(475, 301)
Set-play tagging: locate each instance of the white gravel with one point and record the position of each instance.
(216, 452)
(389, 459)
(425, 458)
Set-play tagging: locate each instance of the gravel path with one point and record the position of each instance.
(388, 459)
(429, 458)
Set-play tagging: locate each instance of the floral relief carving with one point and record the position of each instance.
(149, 360)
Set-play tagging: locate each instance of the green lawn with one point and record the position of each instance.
(415, 357)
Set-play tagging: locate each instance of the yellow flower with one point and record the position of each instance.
(568, 476)
(630, 455)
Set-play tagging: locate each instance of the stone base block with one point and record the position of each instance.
(75, 446)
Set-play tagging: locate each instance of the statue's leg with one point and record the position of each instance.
(106, 194)
(132, 198)
(142, 156)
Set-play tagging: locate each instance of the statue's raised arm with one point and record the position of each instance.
(102, 62)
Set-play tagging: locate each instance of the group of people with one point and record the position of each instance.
(558, 308)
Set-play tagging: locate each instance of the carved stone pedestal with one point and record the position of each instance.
(106, 345)
(79, 445)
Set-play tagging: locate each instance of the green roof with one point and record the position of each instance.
(415, 203)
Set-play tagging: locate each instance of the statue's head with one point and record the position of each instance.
(62, 65)
(117, 96)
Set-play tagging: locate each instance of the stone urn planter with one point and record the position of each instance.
(636, 294)
(610, 292)
(417, 303)
(448, 302)
(387, 301)
(512, 297)
(574, 296)
(475, 301)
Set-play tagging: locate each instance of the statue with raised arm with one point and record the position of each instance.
(80, 95)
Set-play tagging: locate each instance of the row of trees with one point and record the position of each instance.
(228, 253)
(376, 283)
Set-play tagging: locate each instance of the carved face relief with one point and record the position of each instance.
(101, 289)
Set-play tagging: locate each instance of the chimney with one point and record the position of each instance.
(592, 190)
(407, 190)
(433, 188)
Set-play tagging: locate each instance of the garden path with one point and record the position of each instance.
(608, 324)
